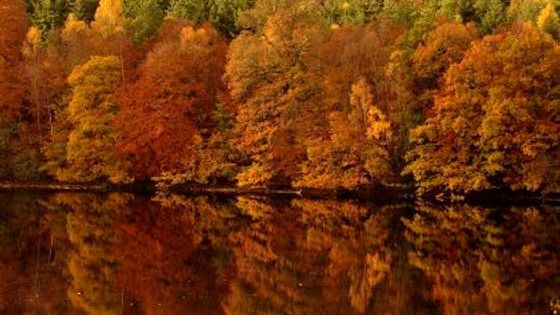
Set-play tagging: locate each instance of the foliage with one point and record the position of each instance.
(12, 34)
(549, 20)
(109, 20)
(222, 14)
(166, 114)
(489, 129)
(145, 18)
(89, 149)
(48, 15)
(84, 10)
(271, 86)
(357, 151)
(286, 93)
(352, 11)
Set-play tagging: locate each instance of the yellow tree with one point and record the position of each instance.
(108, 18)
(109, 30)
(496, 120)
(77, 38)
(271, 85)
(89, 154)
(357, 150)
(548, 20)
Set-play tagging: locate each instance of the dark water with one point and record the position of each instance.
(119, 254)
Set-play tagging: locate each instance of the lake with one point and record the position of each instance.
(73, 253)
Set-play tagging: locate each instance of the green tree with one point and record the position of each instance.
(48, 15)
(144, 19)
(84, 10)
(222, 13)
(351, 11)
(491, 14)
(525, 10)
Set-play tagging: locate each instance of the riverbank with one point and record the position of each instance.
(392, 193)
(396, 192)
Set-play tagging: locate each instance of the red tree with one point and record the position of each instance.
(165, 113)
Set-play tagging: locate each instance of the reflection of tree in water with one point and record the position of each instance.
(172, 258)
(364, 257)
(107, 254)
(482, 261)
(32, 256)
(357, 250)
(317, 257)
(92, 263)
(133, 255)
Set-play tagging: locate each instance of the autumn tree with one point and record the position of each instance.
(12, 34)
(444, 46)
(89, 155)
(12, 89)
(271, 84)
(495, 122)
(77, 39)
(549, 20)
(109, 20)
(357, 151)
(44, 73)
(109, 34)
(166, 115)
(353, 81)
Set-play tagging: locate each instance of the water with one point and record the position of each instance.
(120, 254)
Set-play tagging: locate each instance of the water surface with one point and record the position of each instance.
(122, 254)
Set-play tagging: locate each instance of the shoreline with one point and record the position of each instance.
(396, 193)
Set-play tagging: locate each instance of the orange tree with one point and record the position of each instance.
(496, 120)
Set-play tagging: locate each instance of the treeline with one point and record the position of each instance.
(452, 94)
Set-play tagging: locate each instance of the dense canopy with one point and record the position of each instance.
(448, 95)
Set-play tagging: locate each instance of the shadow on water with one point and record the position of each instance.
(122, 254)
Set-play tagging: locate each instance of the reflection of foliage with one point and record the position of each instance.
(92, 264)
(479, 262)
(152, 266)
(314, 256)
(357, 250)
(176, 259)
(253, 207)
(32, 256)
(177, 254)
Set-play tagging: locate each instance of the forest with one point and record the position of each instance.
(452, 95)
